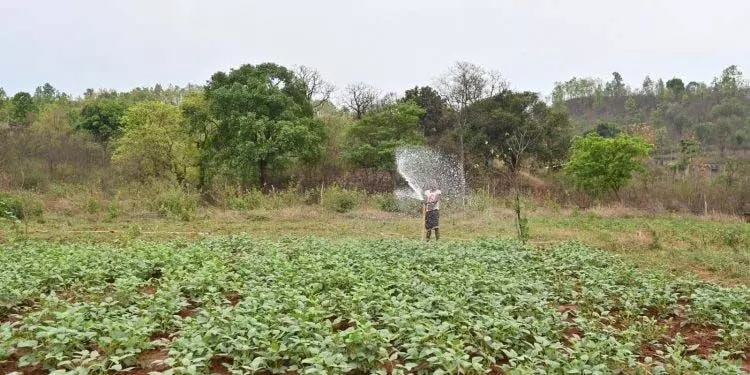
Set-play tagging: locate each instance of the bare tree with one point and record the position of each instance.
(496, 83)
(318, 90)
(360, 98)
(464, 84)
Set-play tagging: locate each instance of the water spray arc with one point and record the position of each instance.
(423, 168)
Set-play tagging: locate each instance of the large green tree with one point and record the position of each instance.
(102, 117)
(512, 126)
(22, 108)
(155, 143)
(598, 164)
(371, 141)
(433, 120)
(676, 87)
(263, 118)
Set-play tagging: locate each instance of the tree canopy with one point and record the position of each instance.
(263, 117)
(598, 165)
(372, 140)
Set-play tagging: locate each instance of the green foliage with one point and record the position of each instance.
(512, 126)
(175, 202)
(372, 140)
(21, 107)
(92, 206)
(433, 121)
(113, 208)
(155, 143)
(248, 200)
(317, 306)
(11, 207)
(263, 118)
(340, 200)
(20, 206)
(102, 118)
(386, 202)
(601, 164)
(676, 86)
(604, 130)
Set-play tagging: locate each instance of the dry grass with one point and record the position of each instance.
(716, 246)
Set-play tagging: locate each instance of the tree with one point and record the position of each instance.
(263, 118)
(511, 126)
(616, 87)
(360, 98)
(728, 117)
(676, 87)
(631, 109)
(318, 91)
(692, 88)
(648, 86)
(201, 127)
(731, 81)
(432, 122)
(661, 90)
(605, 130)
(372, 140)
(675, 116)
(22, 108)
(102, 118)
(45, 93)
(155, 143)
(598, 164)
(463, 85)
(3, 106)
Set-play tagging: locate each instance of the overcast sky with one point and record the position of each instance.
(391, 44)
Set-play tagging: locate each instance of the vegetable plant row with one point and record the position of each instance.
(241, 305)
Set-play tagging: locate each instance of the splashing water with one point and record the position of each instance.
(421, 167)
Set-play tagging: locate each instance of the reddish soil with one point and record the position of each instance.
(745, 361)
(704, 336)
(341, 325)
(159, 335)
(148, 289)
(572, 332)
(188, 310)
(567, 308)
(217, 365)
(233, 297)
(11, 365)
(147, 358)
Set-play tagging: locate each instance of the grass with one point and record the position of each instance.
(716, 248)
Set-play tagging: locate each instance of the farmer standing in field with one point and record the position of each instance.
(432, 211)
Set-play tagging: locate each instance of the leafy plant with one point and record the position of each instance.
(309, 305)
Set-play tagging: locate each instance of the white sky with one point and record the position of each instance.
(391, 44)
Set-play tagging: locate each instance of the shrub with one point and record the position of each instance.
(20, 207)
(176, 202)
(250, 200)
(92, 205)
(113, 208)
(386, 202)
(340, 200)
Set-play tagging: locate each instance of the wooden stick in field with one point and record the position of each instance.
(424, 220)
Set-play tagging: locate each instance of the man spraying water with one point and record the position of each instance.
(432, 212)
(431, 176)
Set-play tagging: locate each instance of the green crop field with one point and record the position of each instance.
(306, 305)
